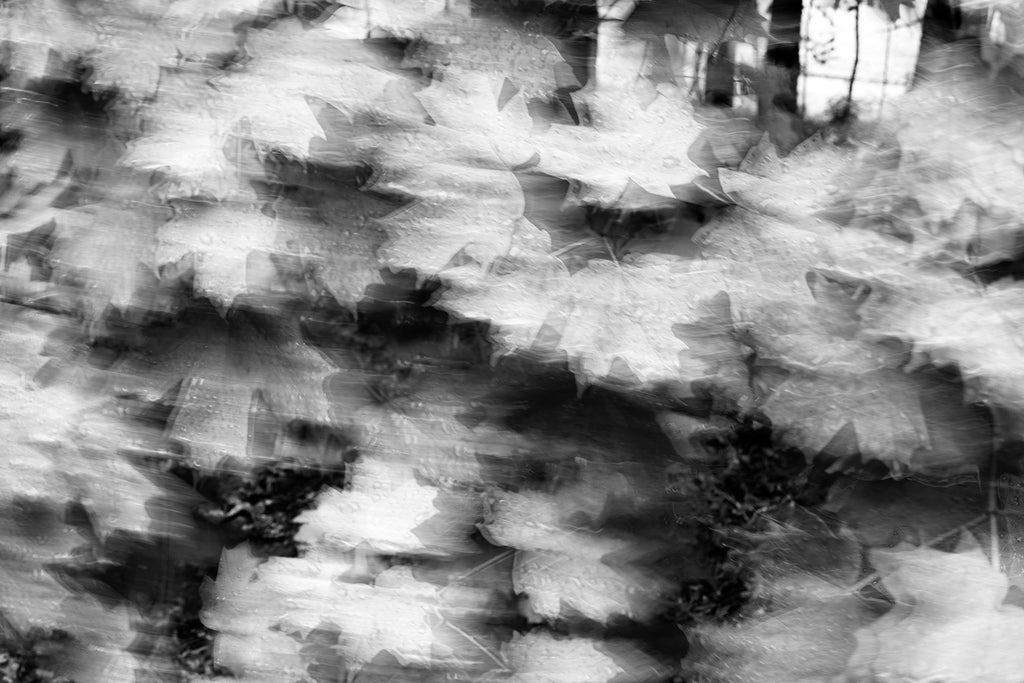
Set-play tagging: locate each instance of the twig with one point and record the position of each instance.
(570, 247)
(505, 554)
(480, 646)
(856, 56)
(727, 26)
(611, 252)
(993, 512)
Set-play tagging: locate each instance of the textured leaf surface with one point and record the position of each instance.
(422, 429)
(979, 332)
(466, 202)
(539, 657)
(531, 62)
(618, 148)
(564, 571)
(402, 18)
(221, 374)
(200, 110)
(385, 509)
(109, 248)
(656, 317)
(63, 452)
(124, 44)
(809, 326)
(50, 459)
(948, 621)
(259, 631)
(335, 243)
(795, 186)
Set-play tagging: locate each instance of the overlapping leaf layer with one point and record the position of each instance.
(239, 234)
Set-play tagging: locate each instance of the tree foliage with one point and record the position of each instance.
(569, 349)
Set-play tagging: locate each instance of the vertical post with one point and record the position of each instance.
(721, 76)
(616, 61)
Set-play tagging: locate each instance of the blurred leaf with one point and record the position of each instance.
(619, 144)
(389, 611)
(225, 376)
(947, 620)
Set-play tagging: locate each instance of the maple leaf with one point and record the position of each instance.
(400, 18)
(222, 374)
(86, 640)
(559, 568)
(518, 297)
(302, 63)
(796, 186)
(638, 132)
(811, 410)
(365, 513)
(558, 584)
(977, 331)
(423, 428)
(57, 135)
(540, 657)
(188, 130)
(307, 243)
(466, 198)
(595, 342)
(800, 321)
(975, 237)
(531, 62)
(336, 242)
(123, 44)
(948, 620)
(263, 611)
(976, 158)
(50, 459)
(656, 315)
(897, 283)
(110, 249)
(832, 377)
(64, 451)
(199, 110)
(226, 245)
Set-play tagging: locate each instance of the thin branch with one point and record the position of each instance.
(727, 26)
(993, 511)
(504, 555)
(494, 657)
(856, 56)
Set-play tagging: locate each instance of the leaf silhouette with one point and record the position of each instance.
(947, 605)
(617, 147)
(541, 657)
(220, 374)
(365, 514)
(393, 613)
(125, 45)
